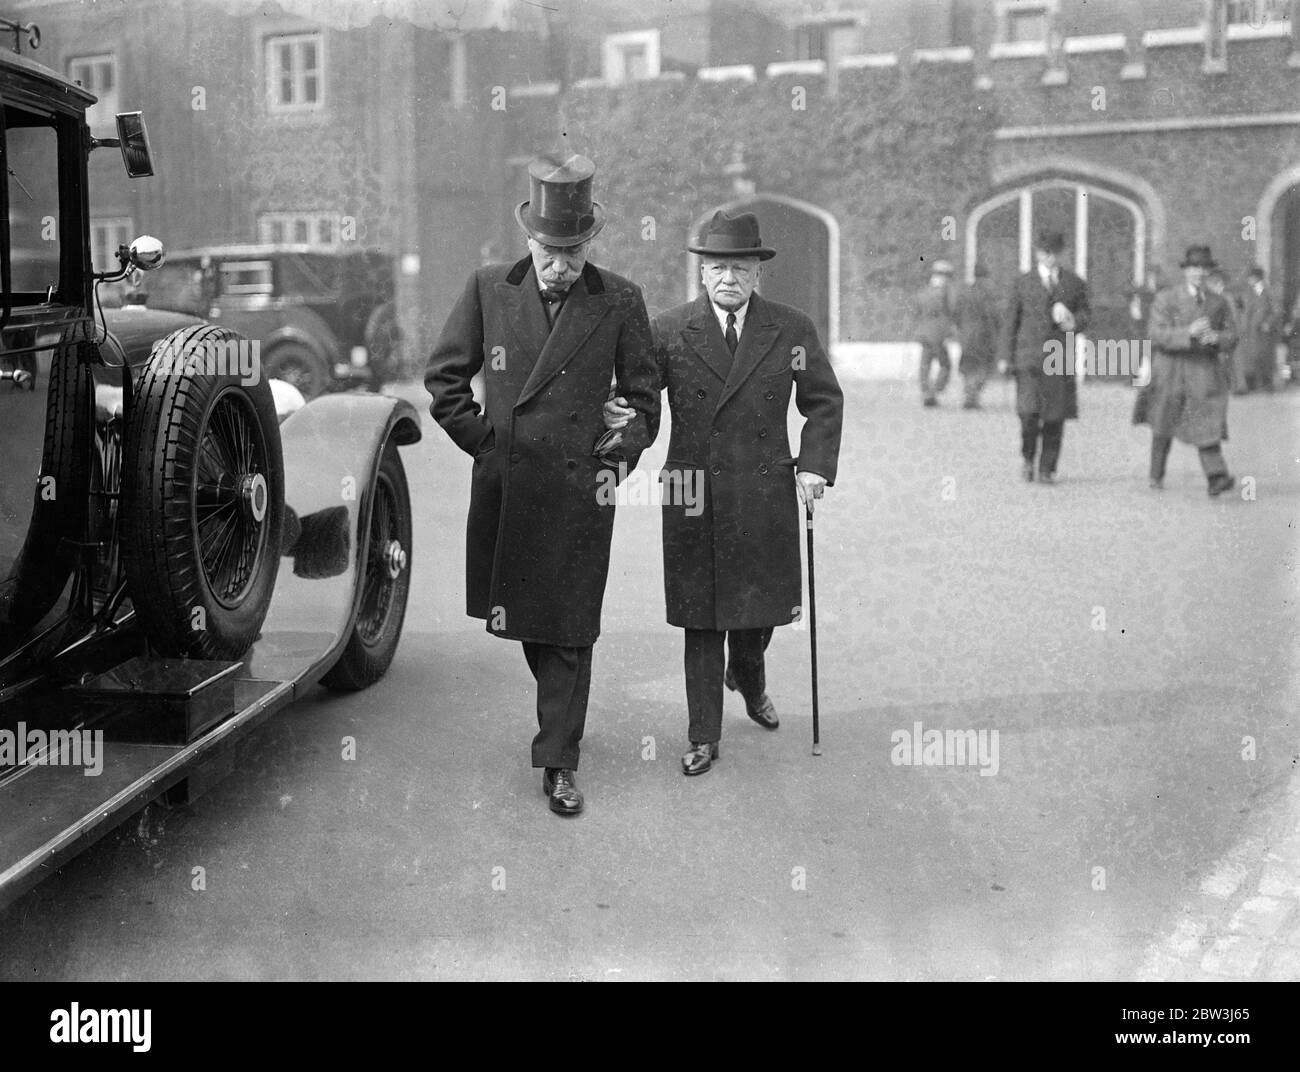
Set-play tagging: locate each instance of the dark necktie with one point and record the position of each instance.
(731, 333)
(551, 302)
(1200, 297)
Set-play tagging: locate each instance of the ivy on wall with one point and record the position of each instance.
(891, 155)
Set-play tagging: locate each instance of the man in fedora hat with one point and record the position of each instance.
(935, 319)
(1192, 332)
(1048, 307)
(730, 360)
(549, 332)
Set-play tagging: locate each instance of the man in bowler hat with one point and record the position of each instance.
(1048, 307)
(550, 333)
(730, 360)
(1192, 334)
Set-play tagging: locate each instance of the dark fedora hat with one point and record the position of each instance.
(1198, 257)
(731, 236)
(560, 211)
(1050, 241)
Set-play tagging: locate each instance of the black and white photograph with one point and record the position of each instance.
(651, 491)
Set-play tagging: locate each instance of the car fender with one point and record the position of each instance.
(332, 448)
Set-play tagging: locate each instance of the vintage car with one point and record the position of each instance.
(324, 319)
(185, 546)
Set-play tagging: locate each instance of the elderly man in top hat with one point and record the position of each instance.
(1048, 306)
(550, 333)
(1192, 332)
(935, 314)
(730, 360)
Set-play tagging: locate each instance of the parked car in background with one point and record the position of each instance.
(325, 319)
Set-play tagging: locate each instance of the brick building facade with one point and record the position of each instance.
(871, 136)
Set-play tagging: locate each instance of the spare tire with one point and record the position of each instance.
(202, 507)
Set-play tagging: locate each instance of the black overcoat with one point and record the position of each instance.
(1026, 331)
(539, 528)
(735, 564)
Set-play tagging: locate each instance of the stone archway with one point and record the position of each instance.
(1277, 222)
(805, 272)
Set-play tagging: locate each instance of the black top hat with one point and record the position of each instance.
(560, 211)
(1198, 257)
(731, 236)
(1050, 241)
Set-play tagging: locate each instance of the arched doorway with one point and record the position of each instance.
(1106, 232)
(805, 272)
(1278, 220)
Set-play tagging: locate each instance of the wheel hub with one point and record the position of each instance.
(395, 558)
(253, 491)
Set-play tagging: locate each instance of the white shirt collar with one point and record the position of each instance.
(721, 314)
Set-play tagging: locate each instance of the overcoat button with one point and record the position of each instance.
(716, 470)
(572, 464)
(762, 470)
(573, 416)
(514, 457)
(762, 433)
(701, 393)
(715, 432)
(770, 395)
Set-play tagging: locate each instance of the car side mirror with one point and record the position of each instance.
(133, 139)
(146, 253)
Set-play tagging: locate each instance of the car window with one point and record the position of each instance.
(32, 162)
(309, 276)
(246, 277)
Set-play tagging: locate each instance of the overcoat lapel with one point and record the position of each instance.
(522, 305)
(755, 341)
(581, 312)
(705, 340)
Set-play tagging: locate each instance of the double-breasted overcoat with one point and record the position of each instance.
(1189, 390)
(734, 564)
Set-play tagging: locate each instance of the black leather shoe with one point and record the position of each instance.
(700, 758)
(1221, 483)
(1157, 483)
(559, 784)
(1027, 471)
(764, 714)
(1045, 477)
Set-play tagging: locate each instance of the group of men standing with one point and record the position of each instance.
(573, 369)
(1194, 339)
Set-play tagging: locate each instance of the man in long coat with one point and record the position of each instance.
(977, 325)
(538, 536)
(1192, 332)
(1048, 306)
(1256, 353)
(933, 313)
(730, 360)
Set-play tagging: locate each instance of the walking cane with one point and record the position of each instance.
(812, 625)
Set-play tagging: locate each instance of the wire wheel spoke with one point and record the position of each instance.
(230, 537)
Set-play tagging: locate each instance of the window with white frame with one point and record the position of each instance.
(1259, 13)
(631, 57)
(98, 75)
(106, 234)
(310, 227)
(295, 66)
(1020, 21)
